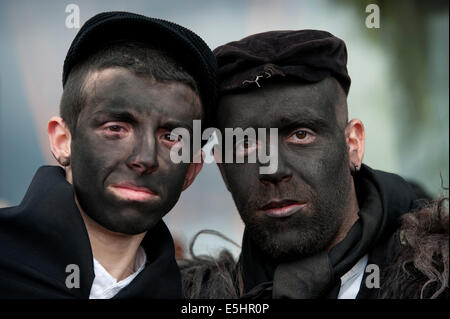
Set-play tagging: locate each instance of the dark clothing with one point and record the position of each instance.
(307, 56)
(46, 233)
(383, 199)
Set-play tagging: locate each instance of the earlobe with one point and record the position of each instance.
(60, 140)
(355, 136)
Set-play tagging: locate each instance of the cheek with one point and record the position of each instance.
(335, 160)
(243, 179)
(93, 157)
(319, 165)
(171, 179)
(169, 169)
(177, 173)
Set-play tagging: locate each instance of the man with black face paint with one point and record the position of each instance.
(324, 224)
(94, 229)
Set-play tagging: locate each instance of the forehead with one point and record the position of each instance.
(265, 106)
(120, 89)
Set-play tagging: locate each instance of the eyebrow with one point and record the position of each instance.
(120, 115)
(314, 123)
(173, 124)
(126, 116)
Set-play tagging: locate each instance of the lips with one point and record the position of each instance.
(281, 209)
(129, 191)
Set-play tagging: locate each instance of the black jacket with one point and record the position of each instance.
(45, 233)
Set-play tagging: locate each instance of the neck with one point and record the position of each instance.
(116, 252)
(350, 217)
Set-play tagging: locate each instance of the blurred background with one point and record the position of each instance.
(399, 71)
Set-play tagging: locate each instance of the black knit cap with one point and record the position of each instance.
(182, 44)
(305, 55)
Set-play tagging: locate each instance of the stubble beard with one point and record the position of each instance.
(305, 233)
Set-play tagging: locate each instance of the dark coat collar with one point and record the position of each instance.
(46, 232)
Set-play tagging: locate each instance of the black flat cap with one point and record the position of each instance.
(182, 44)
(305, 55)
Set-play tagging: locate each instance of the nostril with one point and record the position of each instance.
(136, 167)
(274, 179)
(142, 168)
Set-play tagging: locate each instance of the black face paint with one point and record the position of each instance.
(313, 179)
(123, 176)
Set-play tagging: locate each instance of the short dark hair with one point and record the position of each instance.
(142, 59)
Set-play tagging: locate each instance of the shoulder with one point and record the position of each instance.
(396, 191)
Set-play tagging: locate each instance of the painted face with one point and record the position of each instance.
(297, 210)
(123, 176)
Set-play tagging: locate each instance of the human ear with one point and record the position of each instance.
(354, 135)
(60, 139)
(193, 170)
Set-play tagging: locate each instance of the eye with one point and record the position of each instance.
(171, 139)
(302, 136)
(116, 130)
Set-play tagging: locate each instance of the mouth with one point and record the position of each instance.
(131, 192)
(281, 209)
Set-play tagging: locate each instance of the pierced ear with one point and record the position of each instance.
(60, 139)
(355, 136)
(193, 170)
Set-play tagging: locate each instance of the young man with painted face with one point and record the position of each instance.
(94, 229)
(315, 224)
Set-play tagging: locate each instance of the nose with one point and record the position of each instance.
(282, 174)
(144, 159)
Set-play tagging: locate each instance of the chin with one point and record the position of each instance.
(290, 244)
(130, 228)
(129, 222)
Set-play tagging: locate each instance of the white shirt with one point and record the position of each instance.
(351, 280)
(106, 286)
